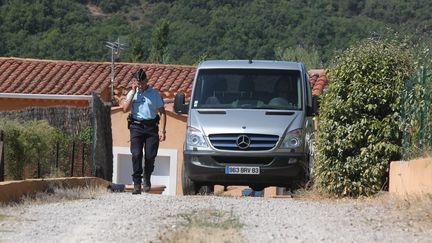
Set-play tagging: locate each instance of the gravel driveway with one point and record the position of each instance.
(122, 217)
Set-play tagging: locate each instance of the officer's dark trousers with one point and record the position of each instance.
(146, 137)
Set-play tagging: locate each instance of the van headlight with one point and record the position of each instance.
(195, 139)
(292, 139)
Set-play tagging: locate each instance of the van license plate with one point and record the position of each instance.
(244, 170)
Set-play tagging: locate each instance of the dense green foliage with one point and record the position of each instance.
(78, 29)
(310, 57)
(158, 52)
(416, 109)
(26, 144)
(59, 29)
(359, 129)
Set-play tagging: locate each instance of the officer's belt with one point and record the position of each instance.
(152, 122)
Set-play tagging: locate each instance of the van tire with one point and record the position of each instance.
(189, 187)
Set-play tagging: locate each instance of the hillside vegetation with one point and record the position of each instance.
(198, 29)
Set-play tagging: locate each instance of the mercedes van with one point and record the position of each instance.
(249, 122)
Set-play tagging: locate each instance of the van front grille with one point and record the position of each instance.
(243, 160)
(243, 142)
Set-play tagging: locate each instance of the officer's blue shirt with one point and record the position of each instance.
(145, 104)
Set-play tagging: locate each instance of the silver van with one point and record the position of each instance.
(249, 123)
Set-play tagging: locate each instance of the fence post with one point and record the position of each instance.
(1, 157)
(423, 123)
(72, 159)
(39, 169)
(57, 154)
(82, 159)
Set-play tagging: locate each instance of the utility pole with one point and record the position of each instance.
(115, 52)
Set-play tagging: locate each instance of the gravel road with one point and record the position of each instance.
(122, 217)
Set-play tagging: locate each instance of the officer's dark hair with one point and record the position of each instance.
(140, 75)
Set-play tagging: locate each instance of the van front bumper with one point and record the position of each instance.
(276, 169)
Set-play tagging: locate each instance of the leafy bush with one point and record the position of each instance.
(26, 143)
(32, 143)
(14, 151)
(359, 130)
(61, 152)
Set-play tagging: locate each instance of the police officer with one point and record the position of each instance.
(143, 122)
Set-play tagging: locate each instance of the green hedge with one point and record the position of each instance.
(26, 143)
(359, 128)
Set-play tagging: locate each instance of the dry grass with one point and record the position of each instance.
(205, 226)
(58, 194)
(412, 207)
(311, 195)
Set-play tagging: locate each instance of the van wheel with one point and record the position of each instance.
(189, 187)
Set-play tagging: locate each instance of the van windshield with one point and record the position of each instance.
(248, 89)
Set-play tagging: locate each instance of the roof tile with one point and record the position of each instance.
(36, 76)
(29, 80)
(318, 81)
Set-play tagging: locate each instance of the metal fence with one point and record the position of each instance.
(66, 159)
(71, 155)
(416, 108)
(60, 158)
(73, 159)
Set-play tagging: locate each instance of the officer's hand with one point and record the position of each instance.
(134, 85)
(161, 136)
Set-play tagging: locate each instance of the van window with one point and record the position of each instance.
(248, 89)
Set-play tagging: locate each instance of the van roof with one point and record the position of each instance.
(258, 64)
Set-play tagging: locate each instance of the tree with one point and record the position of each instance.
(110, 6)
(137, 49)
(159, 43)
(218, 29)
(309, 57)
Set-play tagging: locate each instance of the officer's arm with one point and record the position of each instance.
(162, 128)
(128, 101)
(162, 115)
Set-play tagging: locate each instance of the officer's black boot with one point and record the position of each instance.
(137, 189)
(147, 183)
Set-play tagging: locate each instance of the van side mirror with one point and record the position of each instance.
(315, 105)
(179, 104)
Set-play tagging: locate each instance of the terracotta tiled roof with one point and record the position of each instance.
(318, 81)
(35, 76)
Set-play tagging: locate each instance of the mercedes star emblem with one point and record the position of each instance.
(243, 142)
